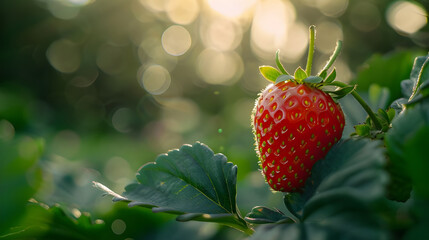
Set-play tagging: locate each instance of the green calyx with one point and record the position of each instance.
(323, 81)
(300, 76)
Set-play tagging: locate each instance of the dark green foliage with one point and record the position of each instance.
(387, 71)
(45, 222)
(263, 215)
(410, 121)
(338, 200)
(20, 177)
(192, 182)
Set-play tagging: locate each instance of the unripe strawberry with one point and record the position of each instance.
(295, 125)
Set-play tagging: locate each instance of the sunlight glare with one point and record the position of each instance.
(270, 26)
(296, 44)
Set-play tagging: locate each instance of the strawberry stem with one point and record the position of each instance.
(312, 30)
(362, 102)
(333, 56)
(279, 64)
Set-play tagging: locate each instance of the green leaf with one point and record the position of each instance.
(387, 71)
(398, 105)
(383, 116)
(378, 96)
(313, 79)
(43, 222)
(20, 177)
(323, 74)
(294, 203)
(407, 88)
(192, 182)
(404, 128)
(331, 76)
(341, 91)
(417, 164)
(418, 66)
(279, 64)
(363, 130)
(269, 73)
(338, 196)
(391, 113)
(283, 78)
(300, 74)
(420, 77)
(263, 215)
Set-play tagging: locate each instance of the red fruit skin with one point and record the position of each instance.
(295, 125)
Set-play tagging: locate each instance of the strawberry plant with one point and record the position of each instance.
(334, 186)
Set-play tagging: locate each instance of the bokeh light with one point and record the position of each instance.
(231, 8)
(215, 67)
(62, 9)
(154, 5)
(64, 56)
(78, 2)
(117, 168)
(182, 11)
(118, 226)
(7, 131)
(221, 34)
(155, 79)
(296, 44)
(332, 8)
(176, 40)
(85, 80)
(121, 120)
(271, 22)
(406, 17)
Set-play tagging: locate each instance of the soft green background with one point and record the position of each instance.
(93, 85)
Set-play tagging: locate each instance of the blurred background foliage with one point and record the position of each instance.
(108, 85)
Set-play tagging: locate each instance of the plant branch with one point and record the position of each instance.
(365, 106)
(310, 50)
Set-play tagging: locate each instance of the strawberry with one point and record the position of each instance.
(295, 126)
(296, 121)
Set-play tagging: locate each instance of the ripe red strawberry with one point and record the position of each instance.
(295, 125)
(296, 121)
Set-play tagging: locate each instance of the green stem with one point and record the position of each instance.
(333, 56)
(249, 231)
(279, 64)
(310, 50)
(365, 106)
(242, 227)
